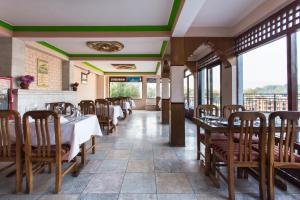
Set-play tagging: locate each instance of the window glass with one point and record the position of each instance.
(191, 92)
(185, 87)
(151, 88)
(264, 78)
(126, 89)
(214, 91)
(202, 86)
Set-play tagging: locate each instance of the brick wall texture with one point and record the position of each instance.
(54, 70)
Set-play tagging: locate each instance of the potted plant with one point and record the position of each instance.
(25, 81)
(74, 86)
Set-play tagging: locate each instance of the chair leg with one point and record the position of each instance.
(262, 182)
(29, 176)
(230, 181)
(50, 168)
(19, 175)
(83, 154)
(93, 144)
(58, 178)
(198, 143)
(271, 182)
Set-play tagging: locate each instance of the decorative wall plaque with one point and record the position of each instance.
(42, 73)
(124, 66)
(105, 46)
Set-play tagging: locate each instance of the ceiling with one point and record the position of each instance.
(141, 66)
(85, 13)
(219, 13)
(140, 45)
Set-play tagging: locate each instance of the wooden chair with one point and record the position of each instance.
(229, 109)
(204, 110)
(281, 145)
(44, 151)
(242, 154)
(87, 107)
(102, 112)
(9, 151)
(68, 109)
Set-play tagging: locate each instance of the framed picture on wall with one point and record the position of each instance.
(42, 73)
(84, 78)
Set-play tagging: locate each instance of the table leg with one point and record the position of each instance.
(93, 144)
(207, 153)
(83, 153)
(198, 143)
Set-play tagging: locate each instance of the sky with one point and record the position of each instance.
(266, 65)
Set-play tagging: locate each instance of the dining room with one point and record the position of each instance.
(197, 101)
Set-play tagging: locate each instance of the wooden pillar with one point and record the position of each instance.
(165, 100)
(177, 111)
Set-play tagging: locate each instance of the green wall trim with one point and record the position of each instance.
(163, 48)
(6, 25)
(54, 48)
(157, 67)
(93, 66)
(168, 27)
(174, 12)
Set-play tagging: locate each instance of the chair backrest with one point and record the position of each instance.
(40, 133)
(102, 108)
(207, 109)
(68, 108)
(229, 109)
(87, 107)
(247, 124)
(5, 132)
(285, 136)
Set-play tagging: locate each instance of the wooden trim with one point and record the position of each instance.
(177, 124)
(165, 107)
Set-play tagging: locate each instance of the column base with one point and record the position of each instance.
(177, 125)
(165, 106)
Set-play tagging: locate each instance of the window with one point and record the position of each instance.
(202, 86)
(125, 87)
(214, 84)
(151, 88)
(209, 81)
(188, 90)
(263, 77)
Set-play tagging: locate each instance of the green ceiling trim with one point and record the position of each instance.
(6, 25)
(163, 48)
(157, 67)
(54, 48)
(129, 73)
(93, 66)
(91, 28)
(168, 27)
(174, 12)
(115, 55)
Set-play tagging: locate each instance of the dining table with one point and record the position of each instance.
(115, 112)
(217, 125)
(75, 131)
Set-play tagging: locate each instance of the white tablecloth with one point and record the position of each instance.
(115, 112)
(74, 133)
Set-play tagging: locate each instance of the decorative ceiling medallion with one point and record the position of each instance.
(105, 46)
(124, 66)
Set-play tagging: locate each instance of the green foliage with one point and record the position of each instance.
(268, 89)
(126, 89)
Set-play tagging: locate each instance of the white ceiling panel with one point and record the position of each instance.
(85, 13)
(224, 13)
(132, 45)
(141, 66)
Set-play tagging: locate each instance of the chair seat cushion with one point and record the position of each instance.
(214, 137)
(255, 139)
(221, 148)
(65, 149)
(276, 153)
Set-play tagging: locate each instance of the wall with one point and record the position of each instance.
(54, 70)
(85, 91)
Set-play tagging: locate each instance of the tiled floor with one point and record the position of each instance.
(136, 163)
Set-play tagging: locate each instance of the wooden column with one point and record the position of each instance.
(165, 100)
(177, 111)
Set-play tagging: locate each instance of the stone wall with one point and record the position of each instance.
(54, 70)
